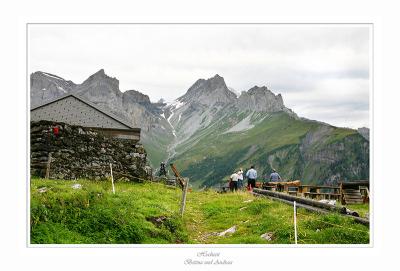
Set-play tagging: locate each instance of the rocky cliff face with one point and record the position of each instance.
(130, 97)
(202, 104)
(364, 131)
(344, 157)
(261, 99)
(102, 90)
(46, 86)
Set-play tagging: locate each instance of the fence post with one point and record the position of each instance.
(48, 166)
(184, 192)
(112, 179)
(295, 222)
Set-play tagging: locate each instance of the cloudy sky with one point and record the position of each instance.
(322, 71)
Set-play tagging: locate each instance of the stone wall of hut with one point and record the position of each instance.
(79, 152)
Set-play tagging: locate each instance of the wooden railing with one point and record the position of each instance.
(317, 192)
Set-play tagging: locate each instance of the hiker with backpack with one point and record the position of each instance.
(251, 178)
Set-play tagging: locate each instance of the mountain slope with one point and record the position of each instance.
(297, 149)
(215, 136)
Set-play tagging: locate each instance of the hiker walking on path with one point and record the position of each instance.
(240, 179)
(234, 182)
(275, 177)
(251, 178)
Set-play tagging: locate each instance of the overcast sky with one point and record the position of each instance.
(322, 72)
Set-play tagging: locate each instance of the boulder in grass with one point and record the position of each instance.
(157, 220)
(76, 186)
(269, 236)
(228, 231)
(42, 189)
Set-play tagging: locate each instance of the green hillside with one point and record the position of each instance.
(157, 148)
(146, 213)
(276, 141)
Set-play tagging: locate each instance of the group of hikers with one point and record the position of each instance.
(236, 181)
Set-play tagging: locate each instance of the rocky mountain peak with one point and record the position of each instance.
(258, 90)
(46, 75)
(102, 90)
(217, 81)
(46, 86)
(100, 72)
(99, 84)
(101, 76)
(261, 99)
(135, 96)
(209, 92)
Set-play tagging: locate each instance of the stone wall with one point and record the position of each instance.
(80, 152)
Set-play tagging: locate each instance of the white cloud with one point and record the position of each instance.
(317, 69)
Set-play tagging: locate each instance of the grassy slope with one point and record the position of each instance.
(216, 155)
(94, 215)
(156, 148)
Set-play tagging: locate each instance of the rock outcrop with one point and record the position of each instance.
(102, 90)
(364, 131)
(47, 86)
(261, 99)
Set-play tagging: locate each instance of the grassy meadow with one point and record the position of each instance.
(148, 213)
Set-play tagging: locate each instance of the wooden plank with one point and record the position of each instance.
(320, 186)
(315, 193)
(348, 191)
(355, 184)
(293, 183)
(352, 197)
(178, 176)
